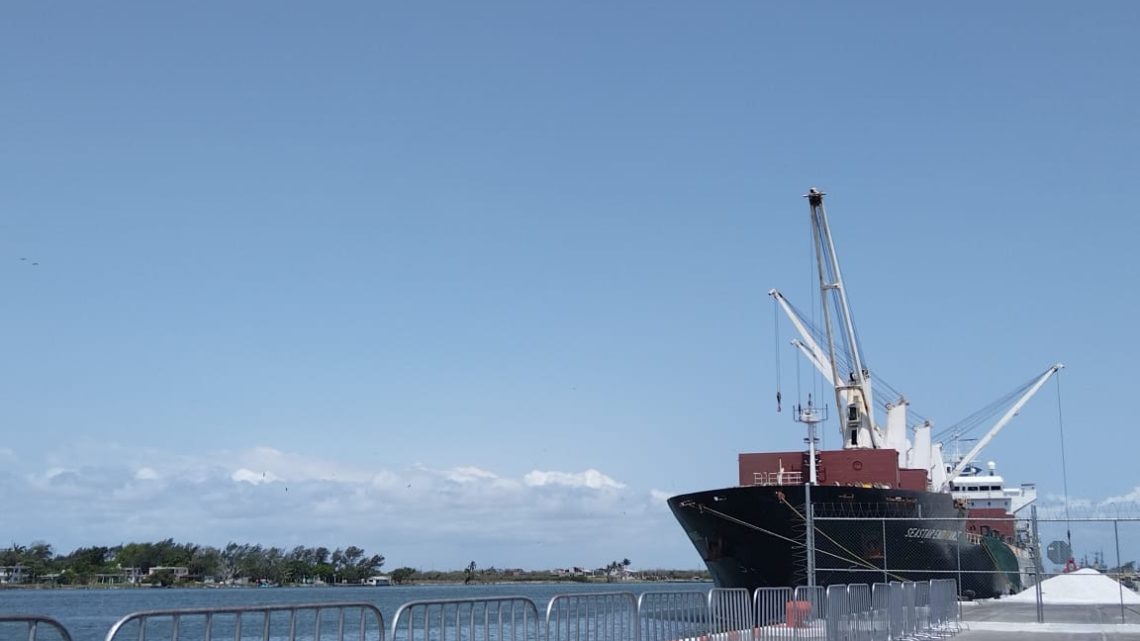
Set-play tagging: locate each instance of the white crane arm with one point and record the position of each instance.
(1003, 421)
(815, 358)
(816, 355)
(822, 364)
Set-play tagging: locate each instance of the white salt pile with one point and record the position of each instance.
(1083, 587)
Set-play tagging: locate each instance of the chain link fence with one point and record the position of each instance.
(1057, 569)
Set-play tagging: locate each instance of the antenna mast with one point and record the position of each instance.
(811, 416)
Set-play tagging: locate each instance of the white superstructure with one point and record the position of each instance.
(987, 490)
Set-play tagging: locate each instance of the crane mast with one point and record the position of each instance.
(853, 388)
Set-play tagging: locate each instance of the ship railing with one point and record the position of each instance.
(668, 616)
(284, 622)
(32, 624)
(777, 478)
(592, 616)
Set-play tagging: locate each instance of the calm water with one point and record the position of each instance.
(89, 614)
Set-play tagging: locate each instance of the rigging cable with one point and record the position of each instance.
(974, 420)
(1064, 467)
(854, 559)
(878, 383)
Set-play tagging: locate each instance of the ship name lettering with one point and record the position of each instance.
(929, 533)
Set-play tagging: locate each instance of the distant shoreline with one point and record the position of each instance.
(408, 584)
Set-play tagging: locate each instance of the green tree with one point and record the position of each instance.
(615, 569)
(206, 562)
(136, 555)
(36, 559)
(83, 564)
(402, 575)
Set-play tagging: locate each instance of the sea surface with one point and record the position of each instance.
(88, 614)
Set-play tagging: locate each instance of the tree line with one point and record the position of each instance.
(168, 562)
(38, 562)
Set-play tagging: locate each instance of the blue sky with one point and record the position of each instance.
(488, 279)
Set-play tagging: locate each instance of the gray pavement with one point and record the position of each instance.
(991, 620)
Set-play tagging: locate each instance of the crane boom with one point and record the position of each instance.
(823, 366)
(1003, 421)
(816, 353)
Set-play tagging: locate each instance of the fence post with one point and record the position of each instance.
(1116, 533)
(958, 552)
(884, 548)
(1037, 565)
(809, 536)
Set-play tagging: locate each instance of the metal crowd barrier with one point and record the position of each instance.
(881, 612)
(507, 618)
(730, 611)
(892, 612)
(910, 620)
(944, 607)
(859, 604)
(809, 614)
(596, 616)
(668, 616)
(896, 611)
(771, 607)
(922, 606)
(291, 622)
(33, 623)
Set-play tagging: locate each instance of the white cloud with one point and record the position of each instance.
(1054, 506)
(469, 474)
(591, 478)
(415, 516)
(243, 475)
(146, 474)
(1130, 497)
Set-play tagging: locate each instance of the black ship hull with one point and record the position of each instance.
(754, 536)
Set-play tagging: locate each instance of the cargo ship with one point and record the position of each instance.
(887, 506)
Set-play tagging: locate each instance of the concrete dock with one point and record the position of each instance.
(993, 620)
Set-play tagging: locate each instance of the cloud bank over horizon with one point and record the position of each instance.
(106, 494)
(91, 493)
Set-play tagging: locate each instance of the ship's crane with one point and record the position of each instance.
(807, 343)
(1001, 422)
(853, 391)
(818, 358)
(853, 387)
